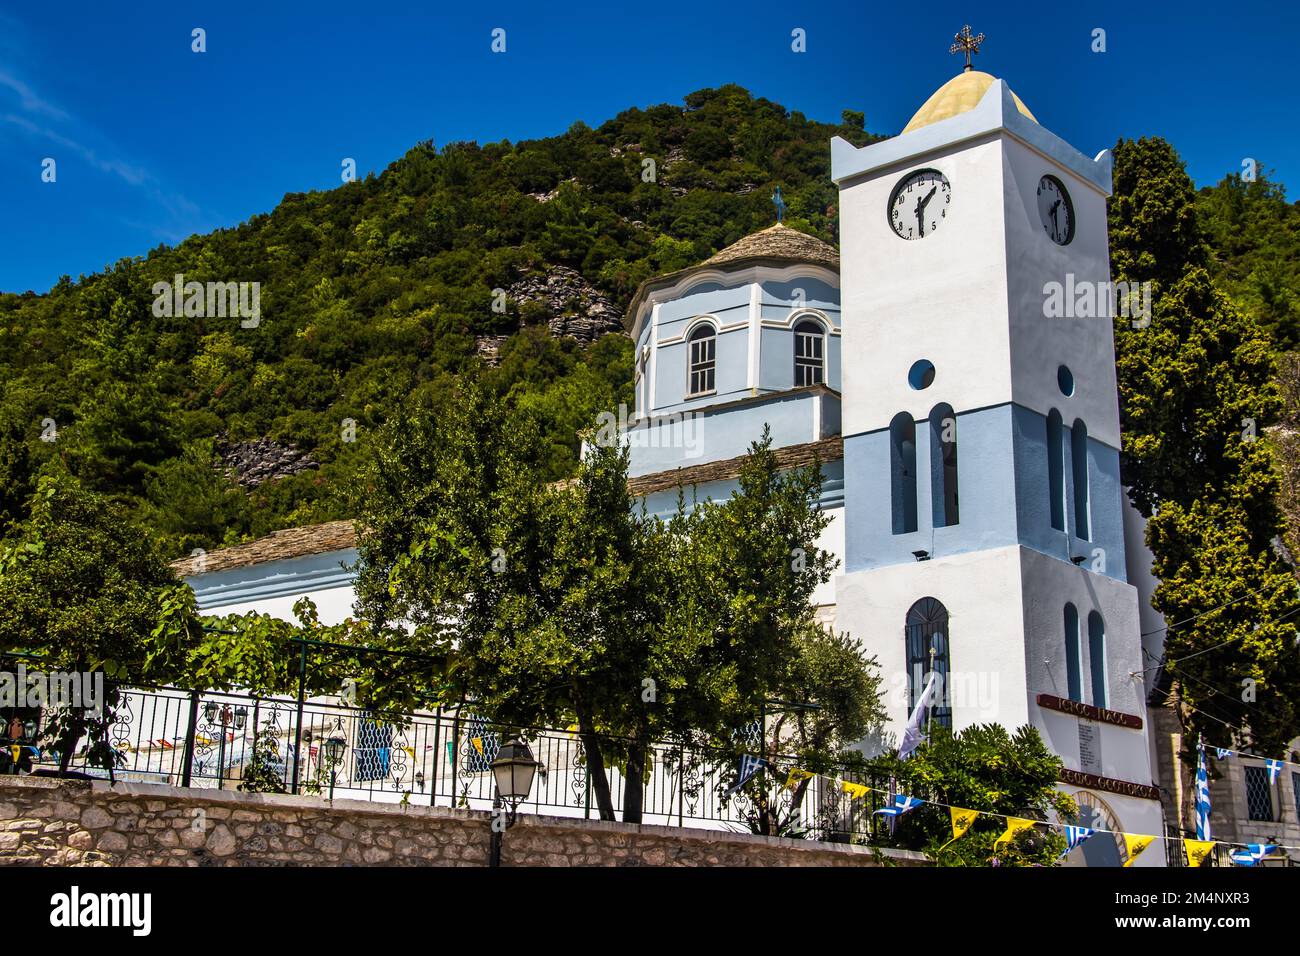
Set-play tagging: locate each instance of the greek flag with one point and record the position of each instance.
(1253, 853)
(1074, 837)
(1274, 769)
(912, 735)
(1222, 753)
(749, 765)
(1202, 794)
(901, 805)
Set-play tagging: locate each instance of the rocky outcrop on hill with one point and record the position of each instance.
(252, 462)
(574, 306)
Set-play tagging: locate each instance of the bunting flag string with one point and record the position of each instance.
(1223, 753)
(1254, 853)
(855, 790)
(1274, 770)
(1014, 825)
(1198, 851)
(795, 775)
(961, 822)
(901, 804)
(1135, 843)
(962, 819)
(1074, 837)
(749, 765)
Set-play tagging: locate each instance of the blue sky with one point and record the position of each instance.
(155, 142)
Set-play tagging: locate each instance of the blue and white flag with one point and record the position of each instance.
(912, 735)
(749, 765)
(1202, 794)
(1222, 753)
(901, 804)
(1274, 769)
(1074, 837)
(1254, 853)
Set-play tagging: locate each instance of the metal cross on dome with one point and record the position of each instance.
(966, 43)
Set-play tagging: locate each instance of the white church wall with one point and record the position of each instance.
(273, 587)
(895, 310)
(981, 591)
(1048, 585)
(1040, 344)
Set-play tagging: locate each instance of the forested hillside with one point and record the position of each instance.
(381, 288)
(384, 287)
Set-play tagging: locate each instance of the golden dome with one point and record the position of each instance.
(963, 92)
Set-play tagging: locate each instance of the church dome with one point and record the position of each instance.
(777, 243)
(960, 94)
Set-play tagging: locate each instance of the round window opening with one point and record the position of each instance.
(1065, 380)
(921, 374)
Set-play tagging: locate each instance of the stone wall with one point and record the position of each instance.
(83, 823)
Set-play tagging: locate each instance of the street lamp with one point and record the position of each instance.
(514, 769)
(334, 748)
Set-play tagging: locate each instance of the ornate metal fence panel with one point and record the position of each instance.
(440, 758)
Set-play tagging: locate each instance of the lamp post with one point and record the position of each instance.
(334, 748)
(514, 769)
(237, 718)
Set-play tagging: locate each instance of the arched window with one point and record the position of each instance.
(1073, 660)
(1097, 658)
(943, 465)
(1056, 468)
(902, 468)
(703, 358)
(927, 652)
(1079, 464)
(809, 353)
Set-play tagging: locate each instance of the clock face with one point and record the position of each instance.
(919, 203)
(1055, 210)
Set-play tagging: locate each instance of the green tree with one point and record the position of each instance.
(826, 703)
(82, 588)
(564, 603)
(983, 767)
(1255, 237)
(1196, 395)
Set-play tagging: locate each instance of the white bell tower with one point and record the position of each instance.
(984, 530)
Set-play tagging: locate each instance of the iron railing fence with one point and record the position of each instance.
(220, 740)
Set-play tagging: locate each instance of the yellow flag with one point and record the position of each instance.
(1198, 850)
(478, 744)
(796, 775)
(1014, 825)
(961, 822)
(854, 790)
(17, 752)
(411, 751)
(1136, 843)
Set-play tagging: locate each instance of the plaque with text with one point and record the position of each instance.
(1089, 747)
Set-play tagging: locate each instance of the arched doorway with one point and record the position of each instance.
(927, 650)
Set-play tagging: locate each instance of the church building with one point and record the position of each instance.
(969, 443)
